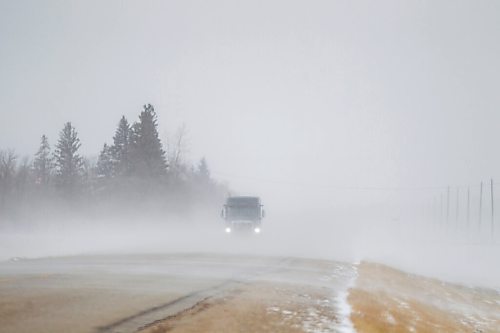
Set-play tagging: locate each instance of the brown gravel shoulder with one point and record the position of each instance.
(387, 300)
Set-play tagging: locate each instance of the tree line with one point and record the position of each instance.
(135, 168)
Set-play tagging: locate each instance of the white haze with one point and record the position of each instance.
(348, 118)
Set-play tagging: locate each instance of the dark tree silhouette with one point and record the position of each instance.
(69, 164)
(8, 163)
(127, 174)
(121, 148)
(43, 164)
(147, 156)
(203, 172)
(105, 162)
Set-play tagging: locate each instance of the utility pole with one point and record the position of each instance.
(434, 212)
(492, 211)
(457, 207)
(447, 205)
(480, 203)
(441, 215)
(468, 207)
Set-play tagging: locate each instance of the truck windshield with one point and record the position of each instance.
(243, 213)
(243, 208)
(243, 201)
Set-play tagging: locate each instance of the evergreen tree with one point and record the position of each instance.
(146, 152)
(105, 162)
(120, 148)
(69, 164)
(44, 163)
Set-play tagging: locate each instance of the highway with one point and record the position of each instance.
(135, 293)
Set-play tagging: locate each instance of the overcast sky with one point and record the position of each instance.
(274, 93)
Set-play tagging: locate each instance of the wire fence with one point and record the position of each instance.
(467, 208)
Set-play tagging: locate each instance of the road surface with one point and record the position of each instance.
(231, 293)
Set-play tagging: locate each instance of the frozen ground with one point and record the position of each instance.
(73, 278)
(128, 292)
(232, 293)
(384, 299)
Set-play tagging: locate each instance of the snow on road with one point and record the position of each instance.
(341, 300)
(123, 293)
(180, 293)
(303, 295)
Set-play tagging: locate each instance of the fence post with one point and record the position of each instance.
(480, 204)
(492, 211)
(468, 206)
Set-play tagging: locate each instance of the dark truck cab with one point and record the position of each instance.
(243, 214)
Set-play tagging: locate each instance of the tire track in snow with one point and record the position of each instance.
(149, 316)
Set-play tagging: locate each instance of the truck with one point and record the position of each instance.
(243, 214)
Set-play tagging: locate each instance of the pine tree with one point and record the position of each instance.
(43, 164)
(69, 164)
(146, 152)
(120, 149)
(105, 162)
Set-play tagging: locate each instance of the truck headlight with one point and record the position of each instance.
(257, 230)
(228, 230)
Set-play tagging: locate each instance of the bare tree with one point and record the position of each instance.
(177, 150)
(7, 165)
(8, 162)
(24, 178)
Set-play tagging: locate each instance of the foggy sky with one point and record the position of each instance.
(281, 97)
